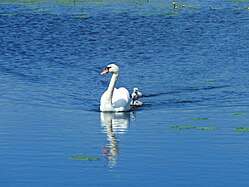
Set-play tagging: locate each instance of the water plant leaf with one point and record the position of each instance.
(181, 127)
(84, 158)
(197, 119)
(206, 128)
(238, 113)
(208, 80)
(242, 129)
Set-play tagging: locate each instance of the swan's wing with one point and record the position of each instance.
(121, 98)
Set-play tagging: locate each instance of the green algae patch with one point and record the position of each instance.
(208, 80)
(84, 158)
(83, 16)
(238, 113)
(8, 15)
(242, 129)
(206, 128)
(198, 119)
(181, 127)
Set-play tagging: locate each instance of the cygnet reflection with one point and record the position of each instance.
(113, 124)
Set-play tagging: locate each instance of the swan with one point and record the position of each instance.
(135, 95)
(113, 99)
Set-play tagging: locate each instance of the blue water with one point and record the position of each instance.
(191, 65)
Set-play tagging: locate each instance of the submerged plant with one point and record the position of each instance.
(84, 158)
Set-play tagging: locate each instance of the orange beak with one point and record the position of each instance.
(105, 71)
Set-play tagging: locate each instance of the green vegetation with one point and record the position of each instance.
(238, 113)
(206, 128)
(208, 80)
(181, 127)
(198, 119)
(84, 158)
(135, 7)
(192, 127)
(242, 129)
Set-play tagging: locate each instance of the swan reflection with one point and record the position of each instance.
(113, 125)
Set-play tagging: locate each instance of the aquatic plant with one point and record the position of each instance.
(238, 113)
(242, 129)
(6, 14)
(208, 80)
(192, 127)
(199, 119)
(206, 128)
(84, 158)
(181, 127)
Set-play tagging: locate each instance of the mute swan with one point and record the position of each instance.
(175, 6)
(134, 96)
(113, 99)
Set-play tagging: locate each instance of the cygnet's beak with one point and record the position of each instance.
(105, 71)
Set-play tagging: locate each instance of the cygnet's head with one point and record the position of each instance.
(135, 90)
(111, 68)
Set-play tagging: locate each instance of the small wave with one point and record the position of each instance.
(185, 90)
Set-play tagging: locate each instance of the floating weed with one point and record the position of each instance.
(84, 158)
(239, 1)
(242, 129)
(241, 8)
(238, 113)
(198, 119)
(83, 16)
(7, 15)
(206, 128)
(208, 80)
(181, 127)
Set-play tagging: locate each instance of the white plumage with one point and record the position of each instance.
(113, 99)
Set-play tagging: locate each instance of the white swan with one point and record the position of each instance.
(113, 99)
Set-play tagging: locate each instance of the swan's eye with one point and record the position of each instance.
(107, 68)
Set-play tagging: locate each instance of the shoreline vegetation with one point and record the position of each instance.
(134, 7)
(141, 7)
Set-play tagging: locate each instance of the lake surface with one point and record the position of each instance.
(190, 63)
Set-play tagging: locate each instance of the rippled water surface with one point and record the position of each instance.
(191, 64)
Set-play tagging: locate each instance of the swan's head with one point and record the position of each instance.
(111, 68)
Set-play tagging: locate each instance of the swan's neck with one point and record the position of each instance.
(111, 87)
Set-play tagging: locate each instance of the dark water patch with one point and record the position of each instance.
(185, 90)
